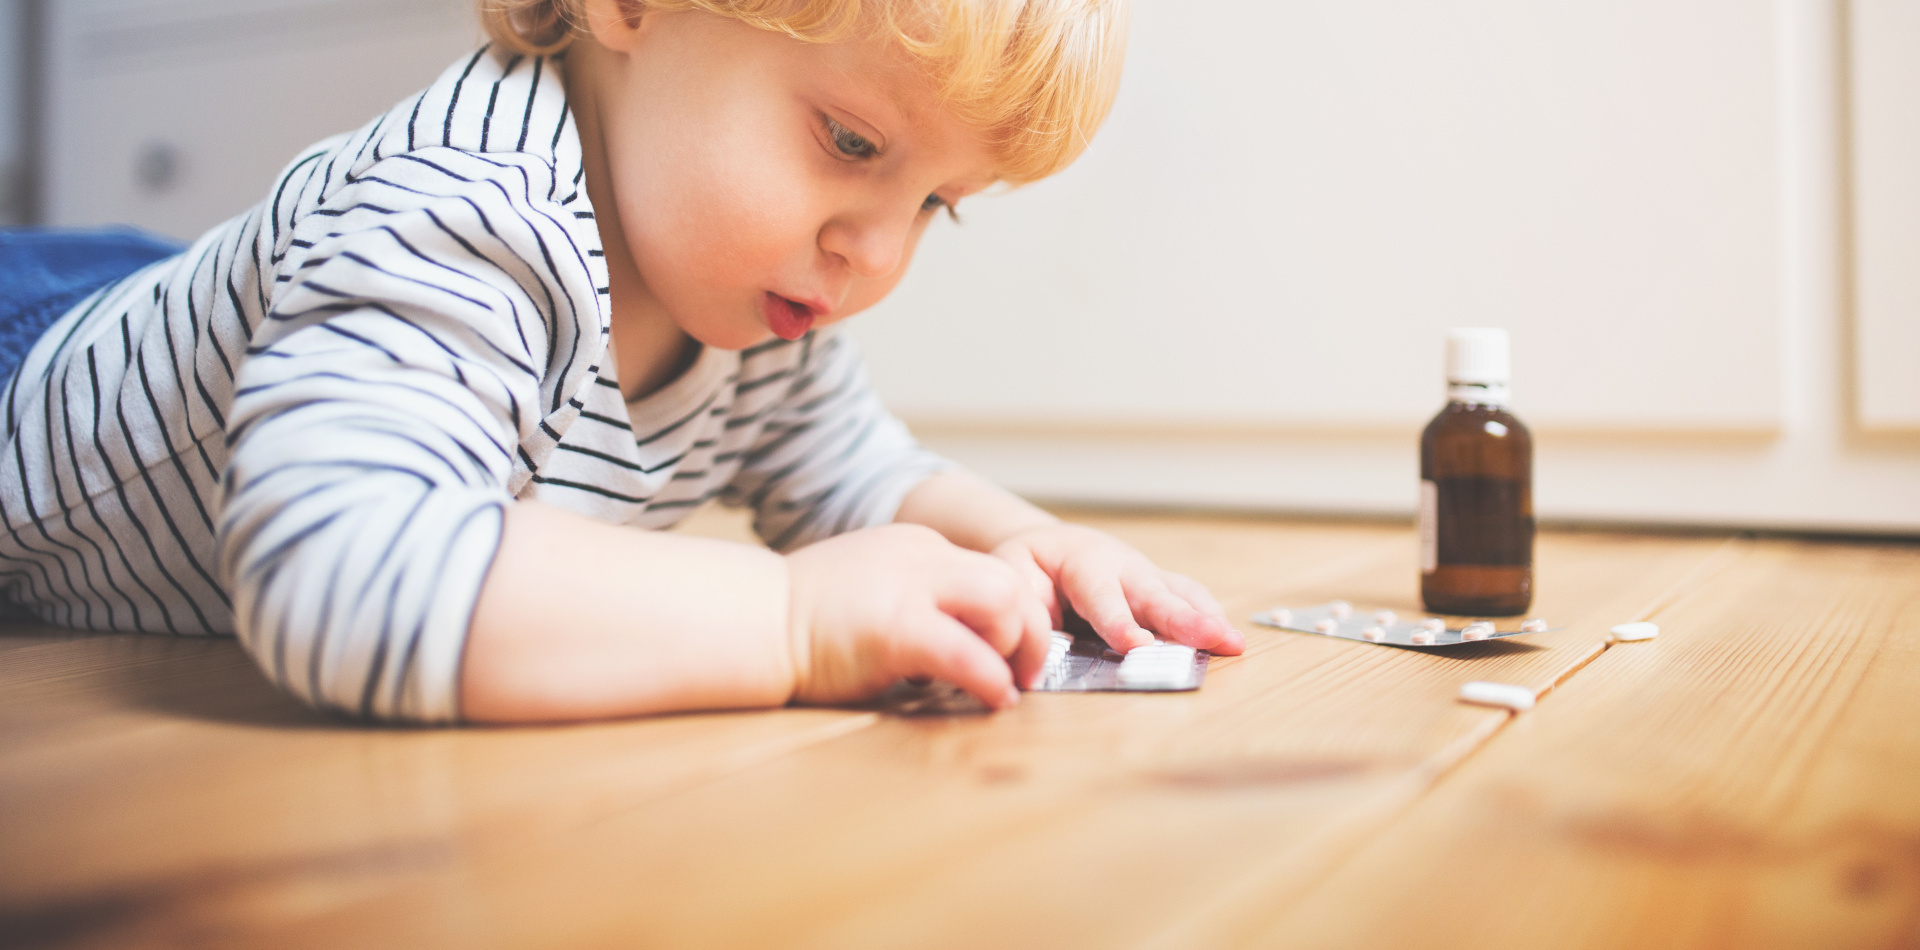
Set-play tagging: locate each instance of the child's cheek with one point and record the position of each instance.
(740, 214)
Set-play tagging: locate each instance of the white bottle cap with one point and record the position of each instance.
(1478, 366)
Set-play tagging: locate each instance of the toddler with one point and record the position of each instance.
(402, 426)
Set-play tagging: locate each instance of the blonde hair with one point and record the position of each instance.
(1037, 76)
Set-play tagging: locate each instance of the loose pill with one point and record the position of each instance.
(1479, 630)
(1280, 616)
(1385, 617)
(1504, 695)
(1433, 625)
(1423, 637)
(1326, 625)
(1641, 630)
(1534, 625)
(1340, 609)
(1374, 634)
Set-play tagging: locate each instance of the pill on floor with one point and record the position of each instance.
(1385, 618)
(1478, 630)
(1504, 695)
(1340, 609)
(1374, 634)
(1433, 625)
(1534, 625)
(1326, 625)
(1280, 615)
(1640, 630)
(1423, 637)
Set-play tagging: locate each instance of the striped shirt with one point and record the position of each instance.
(305, 429)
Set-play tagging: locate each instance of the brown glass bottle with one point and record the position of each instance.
(1476, 503)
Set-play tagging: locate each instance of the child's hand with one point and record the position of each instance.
(871, 607)
(1117, 590)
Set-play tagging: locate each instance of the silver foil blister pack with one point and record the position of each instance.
(1086, 665)
(1340, 620)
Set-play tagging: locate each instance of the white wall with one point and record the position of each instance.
(1237, 298)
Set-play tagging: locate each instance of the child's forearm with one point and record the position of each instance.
(969, 510)
(583, 620)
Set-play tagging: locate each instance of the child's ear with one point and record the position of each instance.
(616, 24)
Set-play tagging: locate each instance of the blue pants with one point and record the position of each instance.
(45, 271)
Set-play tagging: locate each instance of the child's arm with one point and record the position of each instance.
(582, 620)
(1114, 587)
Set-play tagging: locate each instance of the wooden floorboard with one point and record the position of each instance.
(973, 830)
(1746, 780)
(1749, 779)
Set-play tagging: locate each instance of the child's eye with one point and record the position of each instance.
(850, 143)
(933, 203)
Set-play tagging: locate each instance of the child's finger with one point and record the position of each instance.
(946, 649)
(1099, 599)
(1193, 592)
(1173, 619)
(988, 596)
(1170, 615)
(1037, 577)
(1030, 661)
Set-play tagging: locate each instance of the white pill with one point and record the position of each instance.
(1641, 630)
(1433, 625)
(1340, 609)
(1374, 634)
(1280, 616)
(1505, 695)
(1423, 637)
(1326, 625)
(1475, 631)
(1161, 664)
(1534, 625)
(1385, 618)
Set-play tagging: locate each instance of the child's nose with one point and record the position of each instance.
(871, 245)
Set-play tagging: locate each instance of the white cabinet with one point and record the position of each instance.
(177, 114)
(1886, 186)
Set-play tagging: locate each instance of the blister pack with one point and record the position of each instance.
(1085, 665)
(1339, 619)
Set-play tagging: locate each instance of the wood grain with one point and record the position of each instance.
(1749, 779)
(1748, 775)
(967, 831)
(150, 785)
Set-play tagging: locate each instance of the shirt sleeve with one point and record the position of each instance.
(831, 459)
(376, 422)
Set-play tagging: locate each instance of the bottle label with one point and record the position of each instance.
(1429, 526)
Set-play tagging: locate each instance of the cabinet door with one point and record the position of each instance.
(175, 116)
(1886, 155)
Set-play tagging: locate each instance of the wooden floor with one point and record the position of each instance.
(1750, 779)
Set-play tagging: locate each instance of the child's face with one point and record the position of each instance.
(764, 185)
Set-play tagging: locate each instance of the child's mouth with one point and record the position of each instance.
(788, 319)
